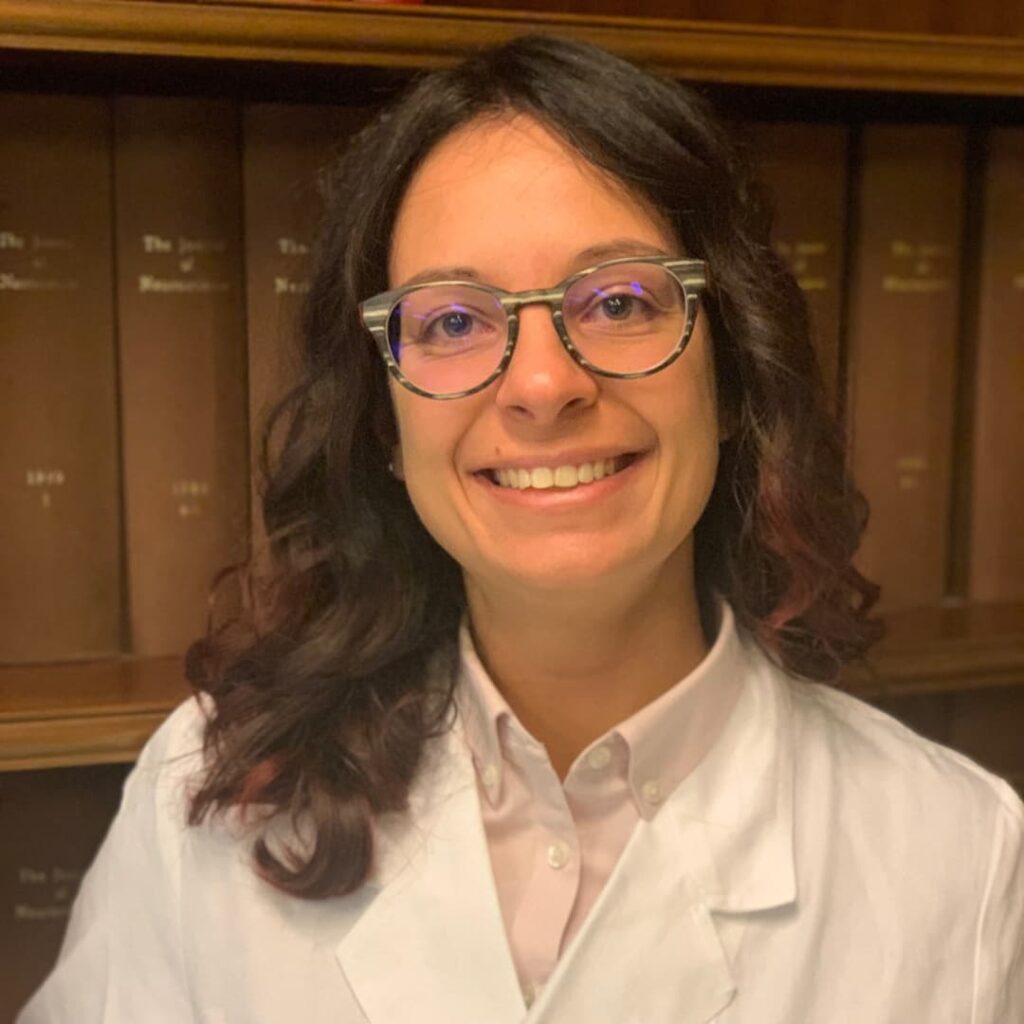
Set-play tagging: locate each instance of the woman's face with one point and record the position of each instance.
(512, 202)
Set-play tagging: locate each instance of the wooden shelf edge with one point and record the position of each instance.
(941, 668)
(55, 743)
(104, 710)
(299, 31)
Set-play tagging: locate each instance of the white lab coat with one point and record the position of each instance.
(822, 865)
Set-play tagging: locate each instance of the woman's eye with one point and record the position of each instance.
(455, 324)
(618, 306)
(452, 325)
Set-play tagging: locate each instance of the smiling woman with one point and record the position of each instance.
(525, 718)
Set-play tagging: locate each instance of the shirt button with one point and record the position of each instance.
(599, 757)
(652, 792)
(489, 776)
(558, 855)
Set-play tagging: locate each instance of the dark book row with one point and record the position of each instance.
(153, 252)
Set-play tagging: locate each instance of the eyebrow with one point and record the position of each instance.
(592, 254)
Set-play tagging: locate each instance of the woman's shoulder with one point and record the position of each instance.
(170, 765)
(177, 744)
(866, 750)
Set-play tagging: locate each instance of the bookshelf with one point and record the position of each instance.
(331, 32)
(103, 710)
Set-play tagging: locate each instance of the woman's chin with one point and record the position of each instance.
(560, 567)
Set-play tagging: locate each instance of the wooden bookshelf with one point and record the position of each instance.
(946, 649)
(103, 711)
(329, 32)
(90, 712)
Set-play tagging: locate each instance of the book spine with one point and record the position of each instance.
(182, 345)
(996, 559)
(902, 354)
(804, 167)
(60, 573)
(52, 822)
(286, 149)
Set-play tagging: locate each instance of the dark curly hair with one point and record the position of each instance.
(340, 665)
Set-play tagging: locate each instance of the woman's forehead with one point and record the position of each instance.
(508, 186)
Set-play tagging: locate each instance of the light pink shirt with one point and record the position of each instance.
(553, 845)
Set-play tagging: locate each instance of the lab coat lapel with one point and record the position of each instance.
(648, 952)
(431, 946)
(656, 947)
(658, 943)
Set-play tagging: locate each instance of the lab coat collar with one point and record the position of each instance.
(431, 945)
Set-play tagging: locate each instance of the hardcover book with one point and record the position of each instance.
(286, 152)
(52, 822)
(903, 339)
(804, 169)
(996, 561)
(60, 569)
(183, 364)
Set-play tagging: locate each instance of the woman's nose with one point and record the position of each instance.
(543, 382)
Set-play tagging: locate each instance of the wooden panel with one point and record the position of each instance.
(396, 36)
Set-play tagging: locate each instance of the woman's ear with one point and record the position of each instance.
(728, 422)
(395, 465)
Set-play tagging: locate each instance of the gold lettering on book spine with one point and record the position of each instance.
(32, 262)
(805, 257)
(191, 497)
(45, 895)
(917, 267)
(183, 265)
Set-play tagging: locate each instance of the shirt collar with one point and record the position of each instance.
(664, 741)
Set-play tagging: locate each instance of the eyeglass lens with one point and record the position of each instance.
(623, 318)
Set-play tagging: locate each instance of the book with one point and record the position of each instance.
(804, 167)
(52, 821)
(286, 148)
(996, 541)
(183, 364)
(902, 349)
(60, 539)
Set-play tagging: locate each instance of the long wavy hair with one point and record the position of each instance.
(340, 663)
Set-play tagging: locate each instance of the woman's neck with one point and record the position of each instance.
(573, 665)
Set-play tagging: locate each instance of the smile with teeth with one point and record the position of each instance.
(564, 477)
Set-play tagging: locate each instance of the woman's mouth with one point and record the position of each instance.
(564, 477)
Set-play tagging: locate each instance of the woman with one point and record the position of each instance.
(525, 726)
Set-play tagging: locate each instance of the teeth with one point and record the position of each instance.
(562, 477)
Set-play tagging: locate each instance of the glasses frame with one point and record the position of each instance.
(693, 277)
